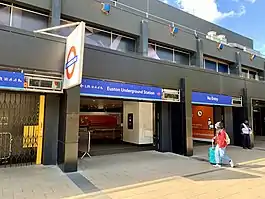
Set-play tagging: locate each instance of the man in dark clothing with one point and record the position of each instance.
(246, 131)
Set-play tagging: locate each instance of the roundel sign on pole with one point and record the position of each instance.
(73, 67)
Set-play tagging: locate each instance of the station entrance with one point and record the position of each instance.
(207, 109)
(109, 126)
(258, 117)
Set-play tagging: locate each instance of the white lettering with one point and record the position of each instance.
(149, 92)
(211, 98)
(113, 89)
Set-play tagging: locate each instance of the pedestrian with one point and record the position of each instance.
(222, 140)
(246, 131)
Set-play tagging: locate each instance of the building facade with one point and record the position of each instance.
(139, 42)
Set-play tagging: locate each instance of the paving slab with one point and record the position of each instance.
(47, 182)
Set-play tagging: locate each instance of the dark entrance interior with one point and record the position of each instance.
(102, 127)
(170, 127)
(258, 117)
(238, 118)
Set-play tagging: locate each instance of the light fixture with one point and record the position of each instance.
(173, 30)
(252, 57)
(105, 8)
(220, 46)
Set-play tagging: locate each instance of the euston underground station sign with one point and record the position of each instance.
(102, 88)
(211, 99)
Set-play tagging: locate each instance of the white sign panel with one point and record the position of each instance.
(73, 65)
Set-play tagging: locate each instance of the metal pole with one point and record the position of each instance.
(57, 27)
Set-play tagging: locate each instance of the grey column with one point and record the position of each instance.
(229, 123)
(186, 92)
(143, 39)
(51, 128)
(236, 68)
(68, 131)
(199, 53)
(56, 12)
(165, 137)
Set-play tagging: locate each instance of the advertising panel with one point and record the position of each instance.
(202, 123)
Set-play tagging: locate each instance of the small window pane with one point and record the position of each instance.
(66, 31)
(4, 15)
(244, 73)
(164, 53)
(122, 43)
(222, 68)
(211, 65)
(252, 75)
(28, 21)
(181, 58)
(98, 38)
(152, 52)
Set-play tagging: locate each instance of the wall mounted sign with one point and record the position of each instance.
(73, 67)
(102, 88)
(11, 80)
(211, 99)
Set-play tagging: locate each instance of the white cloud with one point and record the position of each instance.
(251, 1)
(208, 9)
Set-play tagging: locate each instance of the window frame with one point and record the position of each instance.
(173, 50)
(217, 64)
(248, 73)
(106, 31)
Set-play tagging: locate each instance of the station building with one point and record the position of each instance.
(154, 77)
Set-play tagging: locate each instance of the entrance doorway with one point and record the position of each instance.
(203, 120)
(258, 117)
(109, 126)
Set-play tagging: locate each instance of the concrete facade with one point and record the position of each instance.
(145, 21)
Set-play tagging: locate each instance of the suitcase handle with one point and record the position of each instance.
(212, 143)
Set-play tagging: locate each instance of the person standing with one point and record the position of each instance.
(246, 131)
(221, 140)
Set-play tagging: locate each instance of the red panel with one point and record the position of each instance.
(106, 121)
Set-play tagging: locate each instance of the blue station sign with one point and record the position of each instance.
(102, 88)
(11, 80)
(211, 99)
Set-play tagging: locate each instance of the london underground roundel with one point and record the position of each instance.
(70, 65)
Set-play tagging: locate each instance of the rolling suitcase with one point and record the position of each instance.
(211, 155)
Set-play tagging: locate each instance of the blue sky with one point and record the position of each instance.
(246, 17)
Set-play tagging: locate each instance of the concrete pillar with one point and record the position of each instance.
(51, 126)
(198, 59)
(185, 96)
(142, 114)
(56, 13)
(163, 127)
(68, 130)
(143, 39)
(229, 123)
(236, 68)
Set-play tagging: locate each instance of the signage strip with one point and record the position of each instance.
(102, 88)
(120, 97)
(211, 99)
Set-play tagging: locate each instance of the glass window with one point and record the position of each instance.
(164, 53)
(223, 68)
(122, 43)
(66, 31)
(252, 75)
(152, 52)
(181, 58)
(211, 65)
(244, 73)
(4, 15)
(98, 38)
(28, 20)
